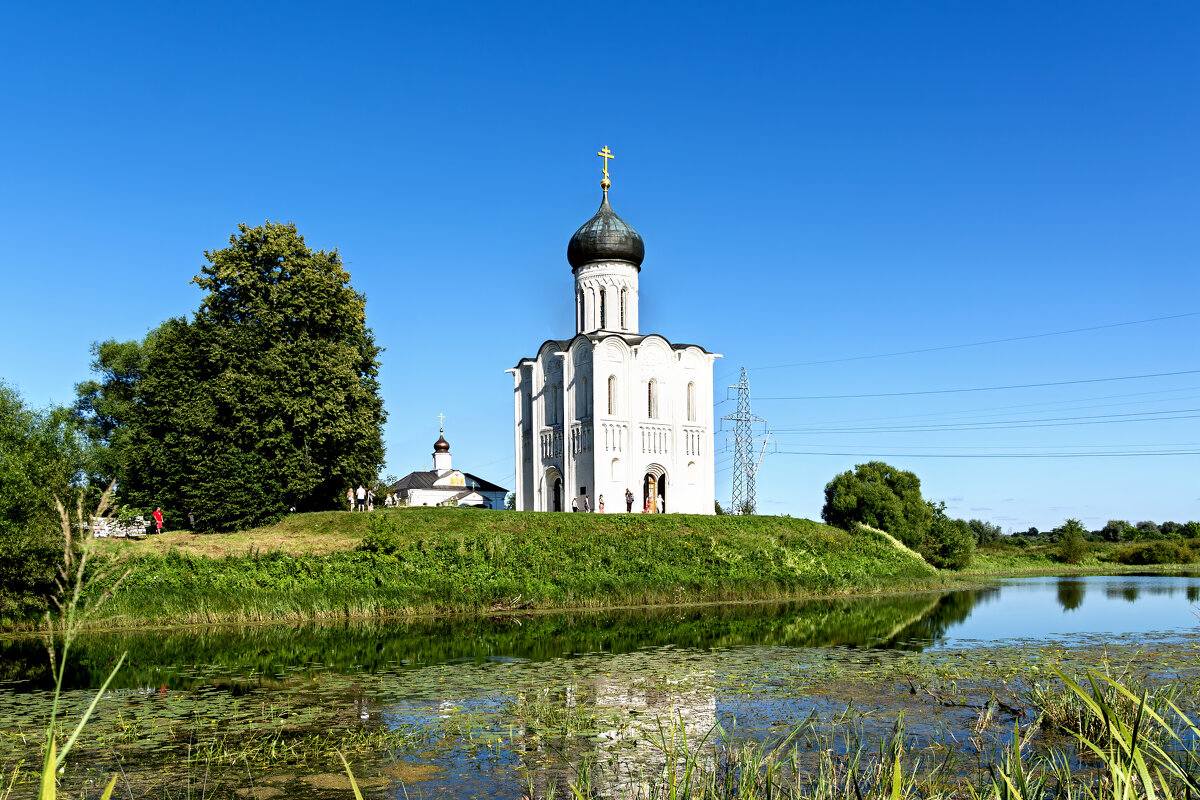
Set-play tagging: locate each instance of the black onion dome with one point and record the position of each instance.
(441, 445)
(605, 237)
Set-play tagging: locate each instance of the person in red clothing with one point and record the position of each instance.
(158, 519)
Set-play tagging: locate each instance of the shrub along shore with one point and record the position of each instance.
(449, 560)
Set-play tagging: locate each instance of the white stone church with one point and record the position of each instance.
(613, 409)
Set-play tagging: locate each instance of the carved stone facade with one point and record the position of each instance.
(612, 409)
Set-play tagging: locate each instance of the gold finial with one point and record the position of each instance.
(441, 419)
(606, 154)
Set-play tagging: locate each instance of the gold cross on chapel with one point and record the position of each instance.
(441, 420)
(606, 154)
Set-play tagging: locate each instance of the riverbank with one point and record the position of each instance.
(419, 561)
(1008, 559)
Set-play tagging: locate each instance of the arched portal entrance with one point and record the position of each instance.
(552, 490)
(654, 490)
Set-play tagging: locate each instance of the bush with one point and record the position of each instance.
(381, 537)
(1162, 552)
(949, 544)
(1071, 547)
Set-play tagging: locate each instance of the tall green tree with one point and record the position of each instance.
(42, 456)
(879, 495)
(266, 400)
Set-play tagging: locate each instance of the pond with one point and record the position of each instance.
(504, 706)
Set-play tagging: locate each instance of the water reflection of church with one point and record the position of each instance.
(635, 716)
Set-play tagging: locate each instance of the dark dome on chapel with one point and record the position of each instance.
(441, 445)
(605, 237)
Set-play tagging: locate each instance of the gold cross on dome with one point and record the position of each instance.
(441, 420)
(606, 154)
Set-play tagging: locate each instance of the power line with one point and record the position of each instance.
(982, 343)
(1048, 422)
(1156, 446)
(1117, 454)
(966, 412)
(984, 388)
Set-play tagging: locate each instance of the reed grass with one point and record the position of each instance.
(1132, 752)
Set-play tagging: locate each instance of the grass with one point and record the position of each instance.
(1007, 558)
(440, 560)
(1124, 749)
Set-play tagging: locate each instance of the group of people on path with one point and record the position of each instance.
(653, 505)
(587, 504)
(363, 499)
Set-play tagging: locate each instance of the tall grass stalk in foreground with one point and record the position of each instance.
(62, 625)
(1137, 752)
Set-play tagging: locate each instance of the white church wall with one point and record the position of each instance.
(613, 277)
(590, 419)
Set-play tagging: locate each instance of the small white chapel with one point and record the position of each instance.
(445, 486)
(613, 410)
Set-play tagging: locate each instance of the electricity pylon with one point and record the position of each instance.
(745, 465)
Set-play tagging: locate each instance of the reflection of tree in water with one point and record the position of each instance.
(1193, 594)
(950, 609)
(1125, 591)
(1070, 594)
(277, 654)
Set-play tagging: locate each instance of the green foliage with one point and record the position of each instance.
(105, 406)
(1172, 530)
(266, 400)
(880, 496)
(381, 538)
(1071, 546)
(1160, 552)
(41, 455)
(985, 532)
(1116, 530)
(949, 543)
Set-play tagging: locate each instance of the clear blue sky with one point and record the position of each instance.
(814, 183)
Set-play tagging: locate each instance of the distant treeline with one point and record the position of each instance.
(1119, 530)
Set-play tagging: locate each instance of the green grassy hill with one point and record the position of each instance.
(436, 560)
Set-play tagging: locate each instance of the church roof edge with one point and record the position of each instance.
(597, 337)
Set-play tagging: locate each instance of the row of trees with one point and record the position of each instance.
(266, 400)
(1119, 530)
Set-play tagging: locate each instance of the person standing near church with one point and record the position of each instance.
(628, 502)
(574, 504)
(662, 504)
(600, 505)
(158, 519)
(360, 495)
(350, 498)
(587, 504)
